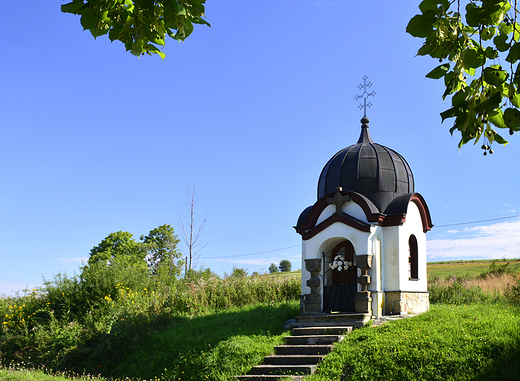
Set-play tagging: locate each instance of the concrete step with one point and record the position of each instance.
(326, 330)
(313, 339)
(293, 359)
(304, 349)
(355, 319)
(297, 370)
(269, 377)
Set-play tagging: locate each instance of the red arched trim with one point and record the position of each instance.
(399, 218)
(331, 220)
(371, 212)
(426, 219)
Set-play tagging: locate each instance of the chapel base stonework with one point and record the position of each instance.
(312, 301)
(406, 303)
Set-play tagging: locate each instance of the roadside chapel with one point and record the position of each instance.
(364, 240)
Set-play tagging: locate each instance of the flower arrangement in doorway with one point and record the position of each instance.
(340, 264)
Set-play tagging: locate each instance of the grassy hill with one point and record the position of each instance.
(211, 329)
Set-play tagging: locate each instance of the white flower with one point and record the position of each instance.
(342, 258)
(350, 263)
(339, 268)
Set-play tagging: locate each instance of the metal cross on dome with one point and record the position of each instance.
(365, 95)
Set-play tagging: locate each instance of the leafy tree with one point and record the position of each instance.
(238, 273)
(118, 246)
(468, 38)
(273, 268)
(141, 25)
(161, 244)
(285, 265)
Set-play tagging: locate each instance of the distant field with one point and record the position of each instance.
(467, 269)
(443, 270)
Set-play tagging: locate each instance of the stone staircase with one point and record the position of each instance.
(313, 337)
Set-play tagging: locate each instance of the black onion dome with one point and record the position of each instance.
(375, 171)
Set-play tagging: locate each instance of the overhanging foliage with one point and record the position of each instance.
(471, 40)
(142, 25)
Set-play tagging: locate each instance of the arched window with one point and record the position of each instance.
(413, 259)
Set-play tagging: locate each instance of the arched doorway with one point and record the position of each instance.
(340, 280)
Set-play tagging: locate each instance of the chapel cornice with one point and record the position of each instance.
(395, 214)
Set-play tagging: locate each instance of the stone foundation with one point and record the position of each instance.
(405, 303)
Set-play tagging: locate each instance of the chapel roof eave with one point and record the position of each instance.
(336, 217)
(396, 211)
(309, 217)
(395, 214)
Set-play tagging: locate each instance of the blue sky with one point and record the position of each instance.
(94, 140)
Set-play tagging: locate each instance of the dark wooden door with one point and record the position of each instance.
(340, 292)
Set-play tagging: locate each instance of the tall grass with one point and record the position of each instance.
(496, 283)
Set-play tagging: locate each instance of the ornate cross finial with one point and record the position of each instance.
(338, 199)
(365, 95)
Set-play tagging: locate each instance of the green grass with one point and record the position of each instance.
(189, 348)
(17, 374)
(451, 342)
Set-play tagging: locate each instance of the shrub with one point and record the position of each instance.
(456, 293)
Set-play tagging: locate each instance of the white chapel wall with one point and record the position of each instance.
(413, 225)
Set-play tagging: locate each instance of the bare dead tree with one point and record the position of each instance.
(190, 232)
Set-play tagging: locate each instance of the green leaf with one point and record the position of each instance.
(500, 140)
(473, 15)
(474, 58)
(96, 32)
(494, 13)
(501, 43)
(196, 7)
(459, 97)
(155, 50)
(426, 49)
(512, 118)
(455, 111)
(453, 83)
(72, 7)
(491, 53)
(490, 104)
(420, 26)
(89, 19)
(497, 118)
(488, 33)
(505, 28)
(428, 5)
(439, 71)
(495, 76)
(514, 99)
(469, 70)
(514, 53)
(199, 20)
